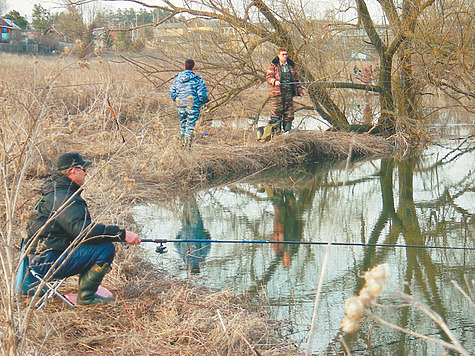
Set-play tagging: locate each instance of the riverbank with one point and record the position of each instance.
(154, 313)
(159, 162)
(54, 106)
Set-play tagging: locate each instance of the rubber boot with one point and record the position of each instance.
(276, 124)
(287, 125)
(89, 281)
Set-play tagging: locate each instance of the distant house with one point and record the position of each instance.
(195, 30)
(32, 35)
(9, 31)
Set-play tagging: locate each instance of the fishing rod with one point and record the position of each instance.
(302, 82)
(115, 119)
(330, 83)
(162, 249)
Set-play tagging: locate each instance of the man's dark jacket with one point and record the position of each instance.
(72, 220)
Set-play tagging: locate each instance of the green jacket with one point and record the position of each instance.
(72, 220)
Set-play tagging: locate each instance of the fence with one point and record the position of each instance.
(20, 48)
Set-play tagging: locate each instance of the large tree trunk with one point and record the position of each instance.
(408, 90)
(386, 120)
(386, 53)
(323, 103)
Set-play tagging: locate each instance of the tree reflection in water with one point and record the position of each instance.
(402, 225)
(420, 270)
(414, 201)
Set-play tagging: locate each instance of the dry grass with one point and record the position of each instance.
(161, 162)
(154, 314)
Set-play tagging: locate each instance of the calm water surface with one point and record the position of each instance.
(423, 200)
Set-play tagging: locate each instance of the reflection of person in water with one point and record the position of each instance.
(192, 253)
(288, 223)
(367, 114)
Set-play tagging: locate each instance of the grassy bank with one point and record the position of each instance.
(154, 314)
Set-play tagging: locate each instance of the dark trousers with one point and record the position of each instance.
(76, 262)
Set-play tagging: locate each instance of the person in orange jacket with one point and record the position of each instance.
(284, 83)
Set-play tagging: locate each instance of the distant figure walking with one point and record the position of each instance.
(189, 93)
(367, 74)
(284, 83)
(356, 73)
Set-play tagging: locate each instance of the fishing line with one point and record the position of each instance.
(162, 241)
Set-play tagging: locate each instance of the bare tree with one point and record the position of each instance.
(3, 6)
(444, 51)
(260, 26)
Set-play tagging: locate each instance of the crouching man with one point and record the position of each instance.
(64, 237)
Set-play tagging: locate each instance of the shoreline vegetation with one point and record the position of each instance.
(136, 159)
(156, 314)
(219, 159)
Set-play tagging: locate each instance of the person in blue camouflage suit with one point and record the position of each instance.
(189, 93)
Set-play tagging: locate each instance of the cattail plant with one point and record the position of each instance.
(375, 283)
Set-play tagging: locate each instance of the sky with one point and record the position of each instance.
(25, 7)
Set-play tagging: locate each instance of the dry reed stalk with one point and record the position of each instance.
(317, 298)
(345, 346)
(375, 282)
(443, 343)
(465, 294)
(324, 265)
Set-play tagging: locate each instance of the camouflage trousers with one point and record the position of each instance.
(188, 118)
(282, 107)
(281, 116)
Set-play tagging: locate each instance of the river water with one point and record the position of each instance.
(426, 199)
